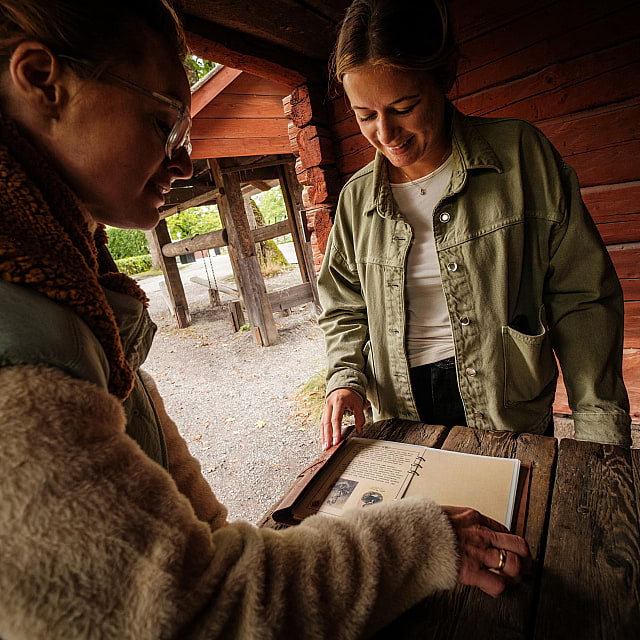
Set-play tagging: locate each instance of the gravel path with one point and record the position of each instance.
(232, 400)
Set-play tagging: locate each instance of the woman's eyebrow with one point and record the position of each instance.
(403, 99)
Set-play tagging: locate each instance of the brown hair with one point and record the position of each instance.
(101, 32)
(405, 34)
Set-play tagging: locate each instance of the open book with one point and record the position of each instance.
(363, 472)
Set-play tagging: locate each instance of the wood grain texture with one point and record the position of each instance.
(470, 613)
(591, 575)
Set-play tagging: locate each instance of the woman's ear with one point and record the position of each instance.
(36, 79)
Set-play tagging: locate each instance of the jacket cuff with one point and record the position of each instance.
(606, 428)
(348, 379)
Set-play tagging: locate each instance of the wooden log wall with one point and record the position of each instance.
(571, 67)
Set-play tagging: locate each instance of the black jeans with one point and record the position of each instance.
(435, 390)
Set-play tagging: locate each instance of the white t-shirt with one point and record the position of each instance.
(429, 335)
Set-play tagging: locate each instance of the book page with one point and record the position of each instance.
(485, 483)
(364, 472)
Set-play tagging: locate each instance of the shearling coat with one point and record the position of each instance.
(98, 539)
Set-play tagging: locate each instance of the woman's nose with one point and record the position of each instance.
(181, 164)
(386, 130)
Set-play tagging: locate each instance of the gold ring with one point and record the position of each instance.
(502, 561)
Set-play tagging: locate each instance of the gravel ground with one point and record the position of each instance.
(232, 400)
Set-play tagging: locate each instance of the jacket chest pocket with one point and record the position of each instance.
(529, 365)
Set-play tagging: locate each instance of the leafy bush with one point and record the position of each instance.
(124, 243)
(134, 264)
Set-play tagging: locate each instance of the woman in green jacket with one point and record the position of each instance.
(462, 260)
(107, 527)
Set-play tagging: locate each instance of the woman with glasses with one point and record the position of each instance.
(462, 260)
(107, 527)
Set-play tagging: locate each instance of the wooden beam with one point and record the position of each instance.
(241, 51)
(200, 242)
(239, 147)
(177, 298)
(208, 197)
(230, 128)
(242, 247)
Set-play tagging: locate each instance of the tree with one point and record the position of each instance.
(194, 221)
(126, 243)
(199, 67)
(272, 205)
(270, 257)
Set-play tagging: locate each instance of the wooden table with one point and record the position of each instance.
(583, 527)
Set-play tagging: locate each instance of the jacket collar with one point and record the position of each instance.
(470, 151)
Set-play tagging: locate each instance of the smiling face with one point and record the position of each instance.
(107, 140)
(402, 114)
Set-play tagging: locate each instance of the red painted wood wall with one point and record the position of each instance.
(572, 67)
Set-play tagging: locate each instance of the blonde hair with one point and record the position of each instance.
(101, 32)
(403, 34)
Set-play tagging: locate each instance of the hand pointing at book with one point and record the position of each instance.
(490, 557)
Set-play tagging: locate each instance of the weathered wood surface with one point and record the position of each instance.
(469, 613)
(209, 240)
(591, 575)
(244, 259)
(176, 298)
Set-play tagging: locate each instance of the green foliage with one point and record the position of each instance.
(271, 205)
(136, 264)
(124, 243)
(199, 67)
(194, 221)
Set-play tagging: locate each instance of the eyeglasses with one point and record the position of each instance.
(178, 137)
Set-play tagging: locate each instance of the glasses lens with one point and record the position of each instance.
(179, 136)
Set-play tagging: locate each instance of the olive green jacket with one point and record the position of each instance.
(36, 330)
(526, 279)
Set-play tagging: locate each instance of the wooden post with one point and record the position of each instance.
(242, 248)
(292, 194)
(175, 290)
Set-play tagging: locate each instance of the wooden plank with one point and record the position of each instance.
(559, 32)
(230, 128)
(472, 19)
(241, 244)
(209, 240)
(562, 88)
(632, 324)
(233, 105)
(260, 234)
(250, 84)
(232, 148)
(406, 431)
(603, 166)
(468, 613)
(175, 291)
(285, 299)
(594, 130)
(210, 89)
(616, 210)
(591, 575)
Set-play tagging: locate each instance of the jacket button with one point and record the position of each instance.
(452, 266)
(464, 320)
(470, 371)
(445, 217)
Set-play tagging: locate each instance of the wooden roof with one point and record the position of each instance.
(287, 40)
(238, 114)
